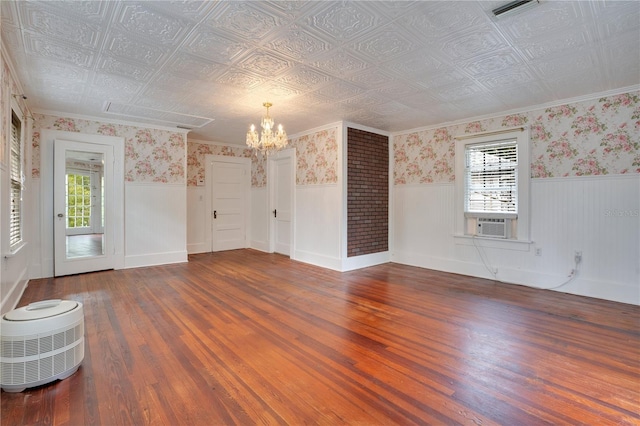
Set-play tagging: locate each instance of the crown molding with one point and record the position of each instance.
(334, 125)
(216, 143)
(112, 121)
(561, 102)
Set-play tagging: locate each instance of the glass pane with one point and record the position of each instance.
(84, 202)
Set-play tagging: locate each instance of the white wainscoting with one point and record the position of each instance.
(198, 236)
(155, 224)
(259, 219)
(318, 225)
(14, 279)
(33, 223)
(595, 215)
(14, 267)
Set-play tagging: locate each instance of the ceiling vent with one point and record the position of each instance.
(154, 116)
(513, 7)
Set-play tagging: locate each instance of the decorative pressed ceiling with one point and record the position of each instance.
(388, 65)
(267, 141)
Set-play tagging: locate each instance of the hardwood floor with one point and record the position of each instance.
(244, 337)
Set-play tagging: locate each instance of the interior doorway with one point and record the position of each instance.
(282, 185)
(83, 194)
(229, 195)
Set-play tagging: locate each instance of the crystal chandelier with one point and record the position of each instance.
(268, 141)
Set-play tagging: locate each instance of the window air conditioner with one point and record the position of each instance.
(493, 227)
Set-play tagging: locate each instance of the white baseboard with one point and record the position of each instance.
(616, 292)
(342, 265)
(259, 245)
(333, 263)
(198, 248)
(155, 259)
(364, 261)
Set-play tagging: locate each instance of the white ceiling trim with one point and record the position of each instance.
(560, 102)
(348, 124)
(111, 121)
(215, 143)
(333, 125)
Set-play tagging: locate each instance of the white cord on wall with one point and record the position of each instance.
(494, 271)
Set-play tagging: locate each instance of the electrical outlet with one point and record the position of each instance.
(578, 256)
(538, 251)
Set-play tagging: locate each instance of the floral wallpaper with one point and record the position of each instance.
(316, 153)
(195, 161)
(587, 138)
(151, 155)
(317, 158)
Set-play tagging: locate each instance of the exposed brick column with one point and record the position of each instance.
(367, 193)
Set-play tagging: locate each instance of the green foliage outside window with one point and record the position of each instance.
(78, 201)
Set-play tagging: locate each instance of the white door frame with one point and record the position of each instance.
(271, 181)
(47, 138)
(209, 160)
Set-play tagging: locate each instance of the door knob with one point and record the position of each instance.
(60, 215)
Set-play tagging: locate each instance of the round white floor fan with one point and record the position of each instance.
(40, 343)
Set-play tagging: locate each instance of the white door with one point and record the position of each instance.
(230, 186)
(282, 203)
(82, 195)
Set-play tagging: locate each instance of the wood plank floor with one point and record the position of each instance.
(244, 337)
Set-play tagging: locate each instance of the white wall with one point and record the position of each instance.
(259, 219)
(319, 225)
(319, 205)
(14, 265)
(595, 215)
(14, 272)
(155, 224)
(198, 236)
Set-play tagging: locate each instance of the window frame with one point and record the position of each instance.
(16, 181)
(521, 220)
(486, 173)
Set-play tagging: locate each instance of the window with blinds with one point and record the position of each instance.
(491, 175)
(15, 218)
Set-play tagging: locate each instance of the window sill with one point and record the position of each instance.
(488, 242)
(15, 250)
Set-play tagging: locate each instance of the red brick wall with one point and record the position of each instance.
(367, 193)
